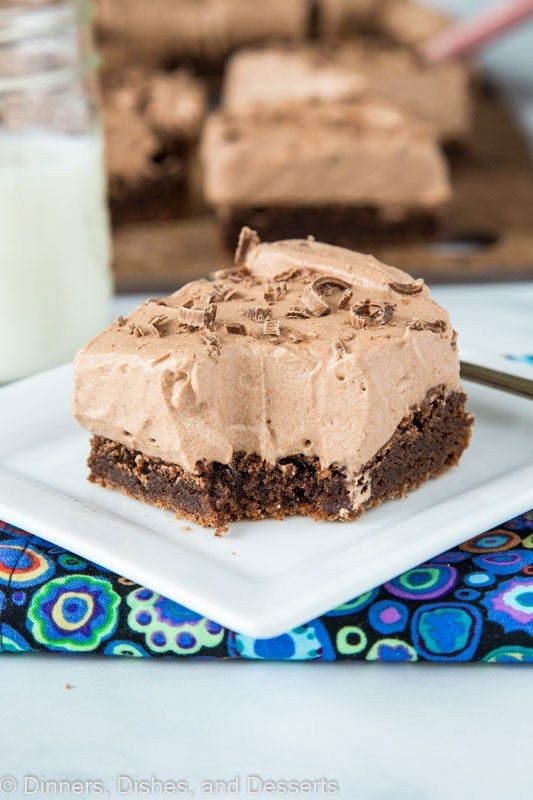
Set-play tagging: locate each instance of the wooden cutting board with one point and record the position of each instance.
(489, 235)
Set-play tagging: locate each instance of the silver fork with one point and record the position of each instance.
(497, 380)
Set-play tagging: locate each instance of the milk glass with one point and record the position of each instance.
(55, 280)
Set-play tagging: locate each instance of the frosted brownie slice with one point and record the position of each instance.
(152, 121)
(167, 32)
(352, 173)
(277, 78)
(307, 380)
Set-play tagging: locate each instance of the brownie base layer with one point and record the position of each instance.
(426, 443)
(345, 226)
(162, 194)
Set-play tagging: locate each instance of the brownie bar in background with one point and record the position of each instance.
(351, 173)
(152, 123)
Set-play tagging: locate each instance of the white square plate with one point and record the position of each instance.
(265, 577)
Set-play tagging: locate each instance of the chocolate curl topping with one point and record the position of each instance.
(219, 289)
(311, 296)
(408, 288)
(271, 327)
(137, 330)
(221, 292)
(297, 336)
(233, 274)
(298, 312)
(368, 314)
(272, 292)
(344, 302)
(210, 338)
(258, 314)
(439, 326)
(339, 348)
(197, 317)
(291, 274)
(247, 239)
(236, 327)
(454, 340)
(213, 343)
(156, 324)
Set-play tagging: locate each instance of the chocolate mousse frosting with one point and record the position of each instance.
(275, 78)
(365, 154)
(302, 348)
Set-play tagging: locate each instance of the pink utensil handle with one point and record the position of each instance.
(466, 37)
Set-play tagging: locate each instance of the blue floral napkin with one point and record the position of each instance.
(473, 603)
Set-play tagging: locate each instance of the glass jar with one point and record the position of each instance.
(55, 280)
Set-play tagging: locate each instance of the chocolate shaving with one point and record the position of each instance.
(219, 289)
(339, 348)
(208, 337)
(156, 324)
(235, 275)
(258, 314)
(230, 293)
(159, 301)
(197, 317)
(298, 312)
(213, 343)
(273, 292)
(137, 330)
(236, 327)
(311, 296)
(271, 327)
(408, 288)
(207, 298)
(221, 292)
(247, 239)
(369, 315)
(454, 340)
(291, 274)
(297, 336)
(346, 296)
(438, 326)
(121, 321)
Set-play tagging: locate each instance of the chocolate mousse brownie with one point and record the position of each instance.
(152, 120)
(276, 78)
(165, 32)
(353, 173)
(306, 380)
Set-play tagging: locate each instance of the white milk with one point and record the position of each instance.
(54, 249)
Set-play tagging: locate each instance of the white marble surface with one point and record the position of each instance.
(415, 732)
(382, 732)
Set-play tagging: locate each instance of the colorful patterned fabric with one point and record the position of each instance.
(473, 603)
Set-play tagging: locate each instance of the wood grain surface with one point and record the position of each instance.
(488, 236)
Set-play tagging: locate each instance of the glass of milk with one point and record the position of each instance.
(55, 282)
